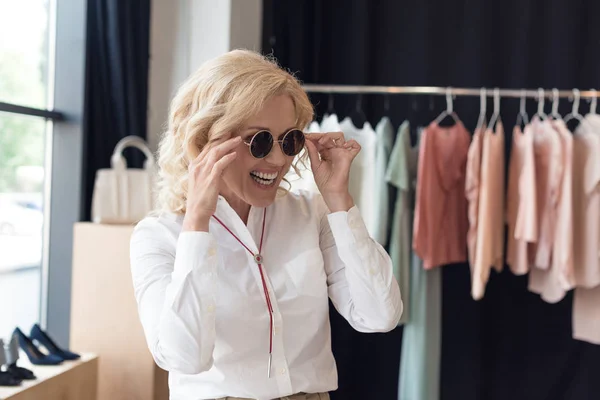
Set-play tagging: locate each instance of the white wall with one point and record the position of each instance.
(184, 34)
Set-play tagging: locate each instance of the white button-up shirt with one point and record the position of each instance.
(203, 309)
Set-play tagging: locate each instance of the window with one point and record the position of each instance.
(25, 82)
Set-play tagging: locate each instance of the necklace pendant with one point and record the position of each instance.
(258, 258)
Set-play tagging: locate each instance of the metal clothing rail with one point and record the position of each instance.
(437, 90)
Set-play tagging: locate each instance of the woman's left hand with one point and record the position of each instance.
(330, 158)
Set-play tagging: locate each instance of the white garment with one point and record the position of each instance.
(362, 172)
(330, 123)
(306, 179)
(203, 310)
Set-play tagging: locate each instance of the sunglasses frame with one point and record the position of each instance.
(280, 141)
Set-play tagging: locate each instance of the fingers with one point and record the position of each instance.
(313, 153)
(220, 166)
(352, 146)
(327, 140)
(212, 152)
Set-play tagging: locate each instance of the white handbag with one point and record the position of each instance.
(124, 195)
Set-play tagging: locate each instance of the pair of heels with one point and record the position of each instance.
(55, 355)
(10, 373)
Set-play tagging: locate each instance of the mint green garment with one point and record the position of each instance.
(401, 165)
(422, 337)
(385, 141)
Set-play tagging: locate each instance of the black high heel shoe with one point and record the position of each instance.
(6, 378)
(11, 353)
(33, 353)
(38, 334)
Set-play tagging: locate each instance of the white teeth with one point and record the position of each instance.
(266, 182)
(264, 175)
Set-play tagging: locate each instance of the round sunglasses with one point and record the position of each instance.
(261, 143)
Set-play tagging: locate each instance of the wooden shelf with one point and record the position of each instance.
(71, 380)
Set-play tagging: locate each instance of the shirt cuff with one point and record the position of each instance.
(348, 228)
(195, 250)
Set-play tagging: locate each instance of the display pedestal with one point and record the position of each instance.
(104, 317)
(71, 380)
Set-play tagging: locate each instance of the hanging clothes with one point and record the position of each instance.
(549, 171)
(330, 123)
(521, 202)
(401, 173)
(384, 132)
(421, 353)
(362, 171)
(586, 203)
(586, 230)
(552, 276)
(441, 223)
(490, 225)
(420, 356)
(472, 188)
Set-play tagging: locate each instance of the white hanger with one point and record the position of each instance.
(555, 113)
(449, 111)
(540, 111)
(482, 108)
(575, 112)
(496, 115)
(593, 102)
(522, 117)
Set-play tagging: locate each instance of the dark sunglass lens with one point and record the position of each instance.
(293, 142)
(261, 144)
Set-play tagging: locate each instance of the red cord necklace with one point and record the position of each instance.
(259, 259)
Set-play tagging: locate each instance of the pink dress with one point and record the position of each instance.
(441, 223)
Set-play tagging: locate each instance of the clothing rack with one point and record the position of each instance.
(437, 90)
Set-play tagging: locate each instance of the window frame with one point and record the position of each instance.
(64, 160)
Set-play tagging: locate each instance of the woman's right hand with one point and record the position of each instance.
(204, 183)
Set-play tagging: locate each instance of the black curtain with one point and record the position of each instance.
(510, 345)
(117, 61)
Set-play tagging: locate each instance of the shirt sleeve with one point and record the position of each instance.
(360, 281)
(175, 288)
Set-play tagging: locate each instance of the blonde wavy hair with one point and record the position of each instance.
(212, 103)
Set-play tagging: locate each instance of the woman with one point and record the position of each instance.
(232, 275)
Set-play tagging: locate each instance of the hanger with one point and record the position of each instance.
(449, 111)
(482, 108)
(496, 115)
(575, 112)
(555, 113)
(540, 111)
(593, 102)
(522, 117)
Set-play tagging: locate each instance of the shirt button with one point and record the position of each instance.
(212, 252)
(372, 271)
(282, 371)
(276, 330)
(210, 308)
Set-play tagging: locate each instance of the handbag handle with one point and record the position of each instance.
(117, 161)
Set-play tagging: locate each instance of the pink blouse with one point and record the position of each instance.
(441, 222)
(472, 188)
(490, 229)
(586, 207)
(521, 202)
(553, 281)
